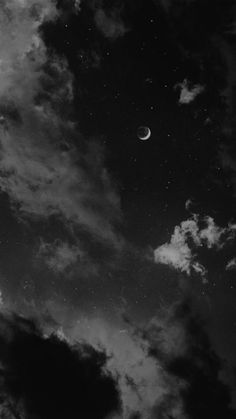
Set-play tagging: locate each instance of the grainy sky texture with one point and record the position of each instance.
(117, 255)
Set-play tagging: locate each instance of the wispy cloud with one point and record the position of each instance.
(144, 370)
(147, 360)
(188, 92)
(60, 256)
(144, 383)
(180, 252)
(46, 167)
(110, 22)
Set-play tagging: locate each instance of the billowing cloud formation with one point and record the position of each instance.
(44, 377)
(187, 92)
(46, 167)
(180, 253)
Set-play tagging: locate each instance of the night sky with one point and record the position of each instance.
(117, 252)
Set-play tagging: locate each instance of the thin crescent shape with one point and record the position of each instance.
(146, 136)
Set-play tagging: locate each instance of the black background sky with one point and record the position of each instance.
(133, 84)
(81, 249)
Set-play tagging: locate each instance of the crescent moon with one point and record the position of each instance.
(147, 136)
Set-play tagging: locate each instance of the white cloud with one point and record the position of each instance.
(213, 235)
(231, 265)
(46, 167)
(187, 92)
(180, 252)
(77, 4)
(144, 383)
(188, 204)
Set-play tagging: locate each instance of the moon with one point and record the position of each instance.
(143, 133)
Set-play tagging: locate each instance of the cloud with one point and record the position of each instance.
(44, 376)
(109, 21)
(231, 265)
(60, 256)
(180, 252)
(146, 358)
(143, 382)
(115, 369)
(205, 395)
(46, 167)
(208, 41)
(187, 92)
(77, 4)
(188, 204)
(215, 236)
(43, 373)
(1, 299)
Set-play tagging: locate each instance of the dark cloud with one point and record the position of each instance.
(204, 395)
(44, 377)
(109, 19)
(166, 369)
